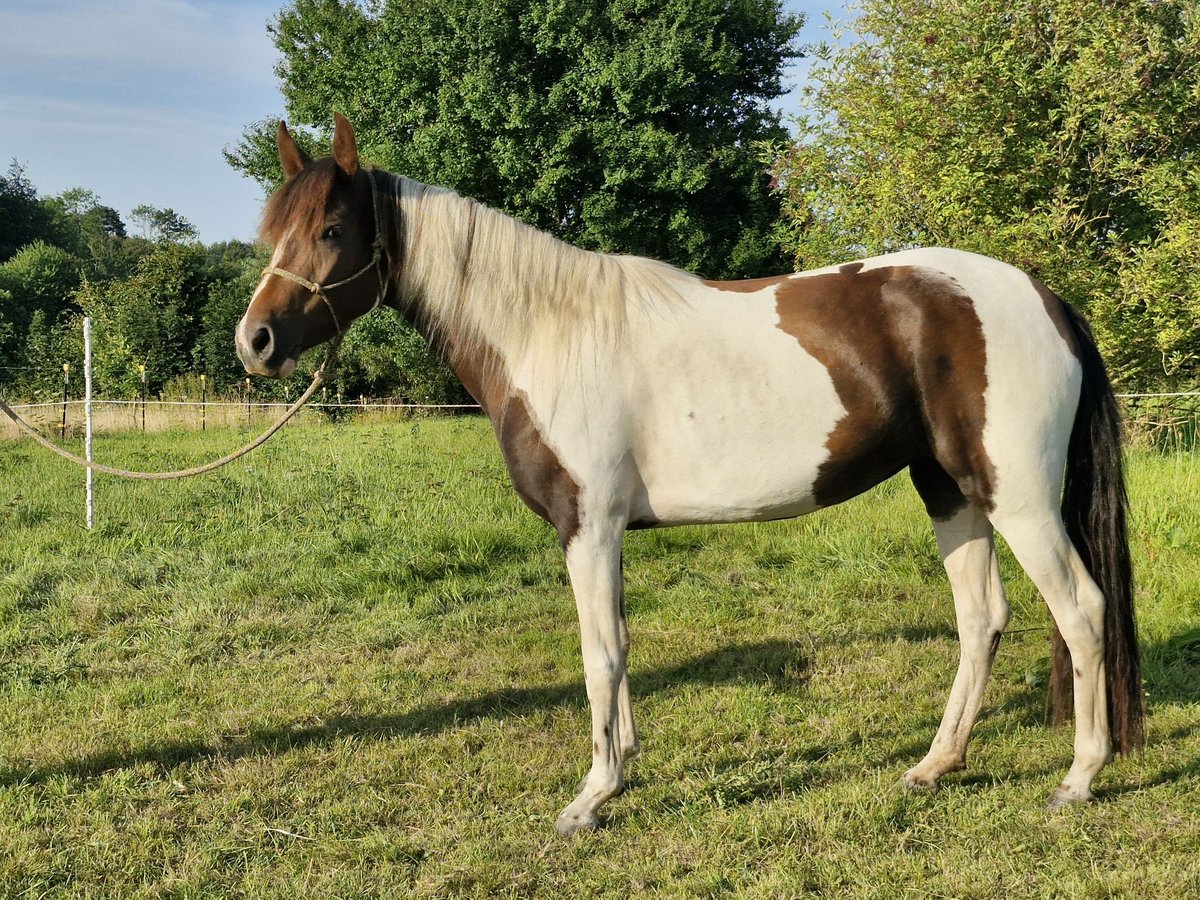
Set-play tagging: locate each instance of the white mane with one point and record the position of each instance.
(523, 290)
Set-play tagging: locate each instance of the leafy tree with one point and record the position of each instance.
(23, 219)
(147, 319)
(627, 125)
(227, 297)
(48, 345)
(95, 233)
(382, 354)
(37, 288)
(1059, 135)
(162, 224)
(229, 259)
(8, 336)
(38, 278)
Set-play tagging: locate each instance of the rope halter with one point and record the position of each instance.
(320, 289)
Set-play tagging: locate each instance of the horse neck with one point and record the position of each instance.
(475, 278)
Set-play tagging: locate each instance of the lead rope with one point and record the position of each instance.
(318, 379)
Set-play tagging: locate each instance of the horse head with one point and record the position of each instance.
(329, 262)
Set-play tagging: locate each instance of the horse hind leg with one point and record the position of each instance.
(967, 548)
(1040, 543)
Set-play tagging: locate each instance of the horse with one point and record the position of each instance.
(626, 393)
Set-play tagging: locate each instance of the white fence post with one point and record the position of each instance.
(87, 411)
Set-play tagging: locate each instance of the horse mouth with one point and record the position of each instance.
(260, 353)
(267, 370)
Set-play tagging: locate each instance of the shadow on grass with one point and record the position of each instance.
(774, 662)
(1171, 668)
(1171, 674)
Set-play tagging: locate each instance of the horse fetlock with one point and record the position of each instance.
(583, 783)
(926, 774)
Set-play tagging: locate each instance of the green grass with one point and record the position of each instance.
(350, 667)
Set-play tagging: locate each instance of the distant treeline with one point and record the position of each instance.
(161, 304)
(1058, 135)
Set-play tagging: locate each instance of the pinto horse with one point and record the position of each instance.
(628, 394)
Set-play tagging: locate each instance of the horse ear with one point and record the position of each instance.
(291, 157)
(345, 151)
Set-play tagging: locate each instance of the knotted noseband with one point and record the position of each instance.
(376, 259)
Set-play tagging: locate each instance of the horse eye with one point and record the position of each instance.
(333, 232)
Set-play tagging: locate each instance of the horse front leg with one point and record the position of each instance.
(594, 564)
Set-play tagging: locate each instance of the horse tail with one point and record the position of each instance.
(1094, 507)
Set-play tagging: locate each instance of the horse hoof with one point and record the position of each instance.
(1065, 797)
(918, 784)
(569, 825)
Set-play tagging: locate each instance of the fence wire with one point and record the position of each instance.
(1164, 419)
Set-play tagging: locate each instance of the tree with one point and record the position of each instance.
(162, 224)
(147, 319)
(8, 335)
(383, 354)
(23, 219)
(38, 278)
(37, 290)
(628, 125)
(232, 279)
(1059, 135)
(95, 233)
(48, 344)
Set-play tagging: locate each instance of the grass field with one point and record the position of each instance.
(350, 668)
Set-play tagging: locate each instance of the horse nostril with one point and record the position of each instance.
(261, 341)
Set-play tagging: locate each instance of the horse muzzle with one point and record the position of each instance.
(260, 352)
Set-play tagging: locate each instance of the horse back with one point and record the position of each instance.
(773, 397)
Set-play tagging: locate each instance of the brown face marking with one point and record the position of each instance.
(905, 350)
(537, 474)
(318, 194)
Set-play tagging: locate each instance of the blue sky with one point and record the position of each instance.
(135, 99)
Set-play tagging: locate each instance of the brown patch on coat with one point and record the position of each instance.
(906, 353)
(753, 285)
(748, 285)
(536, 472)
(1055, 309)
(938, 491)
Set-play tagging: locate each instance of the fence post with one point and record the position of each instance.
(203, 402)
(66, 380)
(247, 402)
(87, 413)
(142, 372)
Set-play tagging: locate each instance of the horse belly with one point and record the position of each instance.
(732, 424)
